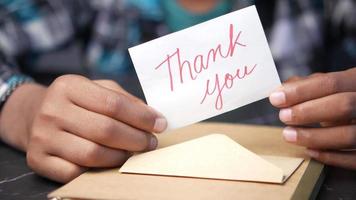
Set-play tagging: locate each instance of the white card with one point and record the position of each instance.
(208, 69)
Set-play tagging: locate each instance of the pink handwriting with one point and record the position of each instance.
(198, 64)
(191, 69)
(228, 82)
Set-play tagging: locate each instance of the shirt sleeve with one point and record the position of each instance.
(10, 78)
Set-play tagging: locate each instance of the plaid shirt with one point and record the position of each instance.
(29, 29)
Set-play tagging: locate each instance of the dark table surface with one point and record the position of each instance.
(17, 181)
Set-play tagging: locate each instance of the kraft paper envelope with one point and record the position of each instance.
(214, 156)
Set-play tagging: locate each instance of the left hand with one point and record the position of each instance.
(328, 99)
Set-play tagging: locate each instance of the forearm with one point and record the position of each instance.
(17, 114)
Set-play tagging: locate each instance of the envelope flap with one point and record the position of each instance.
(214, 156)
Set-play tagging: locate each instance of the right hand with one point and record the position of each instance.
(81, 123)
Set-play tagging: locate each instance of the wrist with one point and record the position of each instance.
(18, 112)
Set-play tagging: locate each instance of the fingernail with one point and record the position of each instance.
(160, 125)
(153, 143)
(277, 98)
(160, 122)
(285, 115)
(290, 134)
(312, 153)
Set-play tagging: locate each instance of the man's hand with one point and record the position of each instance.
(328, 99)
(77, 123)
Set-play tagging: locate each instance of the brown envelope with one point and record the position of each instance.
(261, 140)
(215, 156)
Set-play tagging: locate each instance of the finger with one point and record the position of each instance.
(314, 87)
(316, 75)
(345, 159)
(105, 130)
(336, 123)
(117, 88)
(84, 152)
(336, 107)
(293, 79)
(298, 78)
(54, 168)
(341, 137)
(93, 97)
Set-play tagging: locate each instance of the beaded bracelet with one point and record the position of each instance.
(8, 87)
